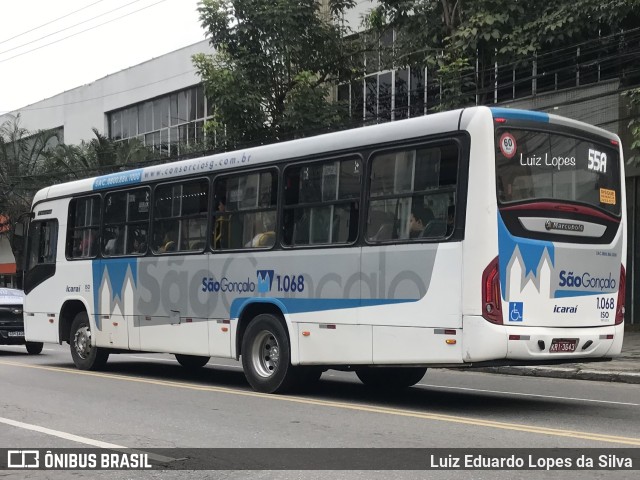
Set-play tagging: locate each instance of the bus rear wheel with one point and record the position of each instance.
(393, 378)
(192, 362)
(266, 355)
(84, 355)
(34, 348)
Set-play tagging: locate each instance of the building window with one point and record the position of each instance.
(170, 125)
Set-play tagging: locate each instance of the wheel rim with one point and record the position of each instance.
(82, 342)
(265, 354)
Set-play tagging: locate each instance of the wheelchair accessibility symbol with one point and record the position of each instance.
(516, 311)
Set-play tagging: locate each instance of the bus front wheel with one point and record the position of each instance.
(390, 377)
(266, 355)
(192, 362)
(85, 356)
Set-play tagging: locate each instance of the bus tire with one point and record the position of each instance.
(84, 355)
(34, 348)
(266, 355)
(192, 362)
(395, 378)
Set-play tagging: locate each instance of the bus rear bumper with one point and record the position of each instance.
(485, 341)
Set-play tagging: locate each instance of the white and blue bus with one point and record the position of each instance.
(461, 238)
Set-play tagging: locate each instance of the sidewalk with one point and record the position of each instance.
(625, 368)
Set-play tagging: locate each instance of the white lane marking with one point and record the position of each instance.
(529, 395)
(59, 434)
(79, 439)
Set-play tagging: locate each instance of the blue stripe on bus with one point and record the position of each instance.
(515, 114)
(119, 179)
(577, 293)
(303, 305)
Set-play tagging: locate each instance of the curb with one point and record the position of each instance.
(563, 372)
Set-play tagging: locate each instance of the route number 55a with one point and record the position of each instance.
(597, 161)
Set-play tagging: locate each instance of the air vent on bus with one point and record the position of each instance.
(491, 301)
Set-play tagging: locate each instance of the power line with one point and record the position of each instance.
(68, 28)
(83, 31)
(49, 23)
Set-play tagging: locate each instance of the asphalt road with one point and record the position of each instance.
(146, 401)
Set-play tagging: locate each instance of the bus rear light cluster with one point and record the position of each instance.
(621, 296)
(491, 298)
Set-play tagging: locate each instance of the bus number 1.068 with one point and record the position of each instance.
(603, 303)
(291, 283)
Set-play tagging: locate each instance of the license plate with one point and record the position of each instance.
(15, 334)
(563, 345)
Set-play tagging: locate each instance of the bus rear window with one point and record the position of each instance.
(537, 166)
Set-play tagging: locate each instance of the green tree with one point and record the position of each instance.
(99, 156)
(21, 174)
(274, 64)
(454, 36)
(633, 97)
(22, 168)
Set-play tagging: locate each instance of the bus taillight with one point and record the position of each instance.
(491, 301)
(621, 296)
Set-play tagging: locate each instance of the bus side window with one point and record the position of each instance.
(83, 227)
(414, 188)
(245, 212)
(321, 202)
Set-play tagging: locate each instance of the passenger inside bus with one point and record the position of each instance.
(451, 214)
(266, 236)
(139, 242)
(115, 245)
(420, 217)
(221, 230)
(87, 245)
(168, 243)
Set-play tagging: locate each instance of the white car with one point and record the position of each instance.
(12, 320)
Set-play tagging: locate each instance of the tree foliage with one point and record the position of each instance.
(30, 161)
(99, 156)
(22, 171)
(453, 36)
(273, 66)
(633, 97)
